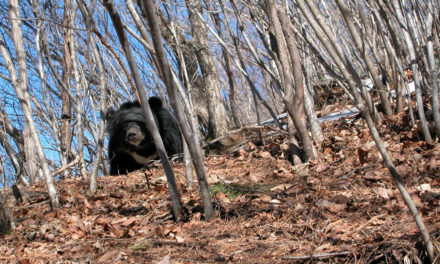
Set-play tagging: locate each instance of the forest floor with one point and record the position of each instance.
(343, 208)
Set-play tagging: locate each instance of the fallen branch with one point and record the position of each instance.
(246, 128)
(34, 204)
(158, 243)
(13, 252)
(318, 256)
(356, 170)
(253, 190)
(65, 167)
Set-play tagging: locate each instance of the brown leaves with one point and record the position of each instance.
(373, 175)
(345, 202)
(332, 207)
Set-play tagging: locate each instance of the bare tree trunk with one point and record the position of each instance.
(17, 158)
(309, 105)
(63, 137)
(190, 110)
(288, 55)
(218, 120)
(361, 45)
(407, 32)
(401, 84)
(361, 105)
(30, 155)
(331, 44)
(172, 91)
(80, 90)
(188, 166)
(293, 142)
(23, 95)
(80, 135)
(257, 112)
(242, 65)
(102, 107)
(433, 71)
(7, 221)
(191, 114)
(80, 108)
(11, 152)
(188, 68)
(229, 73)
(66, 115)
(2, 172)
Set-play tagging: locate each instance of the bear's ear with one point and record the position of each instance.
(110, 113)
(155, 103)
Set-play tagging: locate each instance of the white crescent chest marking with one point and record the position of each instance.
(141, 159)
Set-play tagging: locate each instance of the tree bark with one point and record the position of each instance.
(178, 110)
(293, 143)
(433, 71)
(80, 113)
(229, 74)
(21, 89)
(332, 46)
(11, 152)
(103, 108)
(408, 33)
(30, 155)
(66, 115)
(218, 120)
(187, 61)
(400, 80)
(16, 157)
(348, 18)
(7, 221)
(361, 105)
(241, 62)
(288, 55)
(309, 106)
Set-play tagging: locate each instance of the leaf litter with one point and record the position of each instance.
(343, 208)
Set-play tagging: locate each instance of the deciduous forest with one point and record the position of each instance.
(290, 131)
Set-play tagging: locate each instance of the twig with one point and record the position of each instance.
(356, 170)
(13, 252)
(246, 128)
(252, 190)
(157, 242)
(65, 167)
(34, 205)
(317, 256)
(372, 219)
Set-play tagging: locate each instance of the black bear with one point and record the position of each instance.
(131, 146)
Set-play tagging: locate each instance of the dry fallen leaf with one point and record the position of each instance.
(223, 199)
(109, 257)
(372, 176)
(320, 168)
(281, 187)
(165, 260)
(317, 210)
(332, 207)
(383, 193)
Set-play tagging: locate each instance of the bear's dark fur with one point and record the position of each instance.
(131, 146)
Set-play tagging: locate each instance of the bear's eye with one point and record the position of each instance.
(130, 124)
